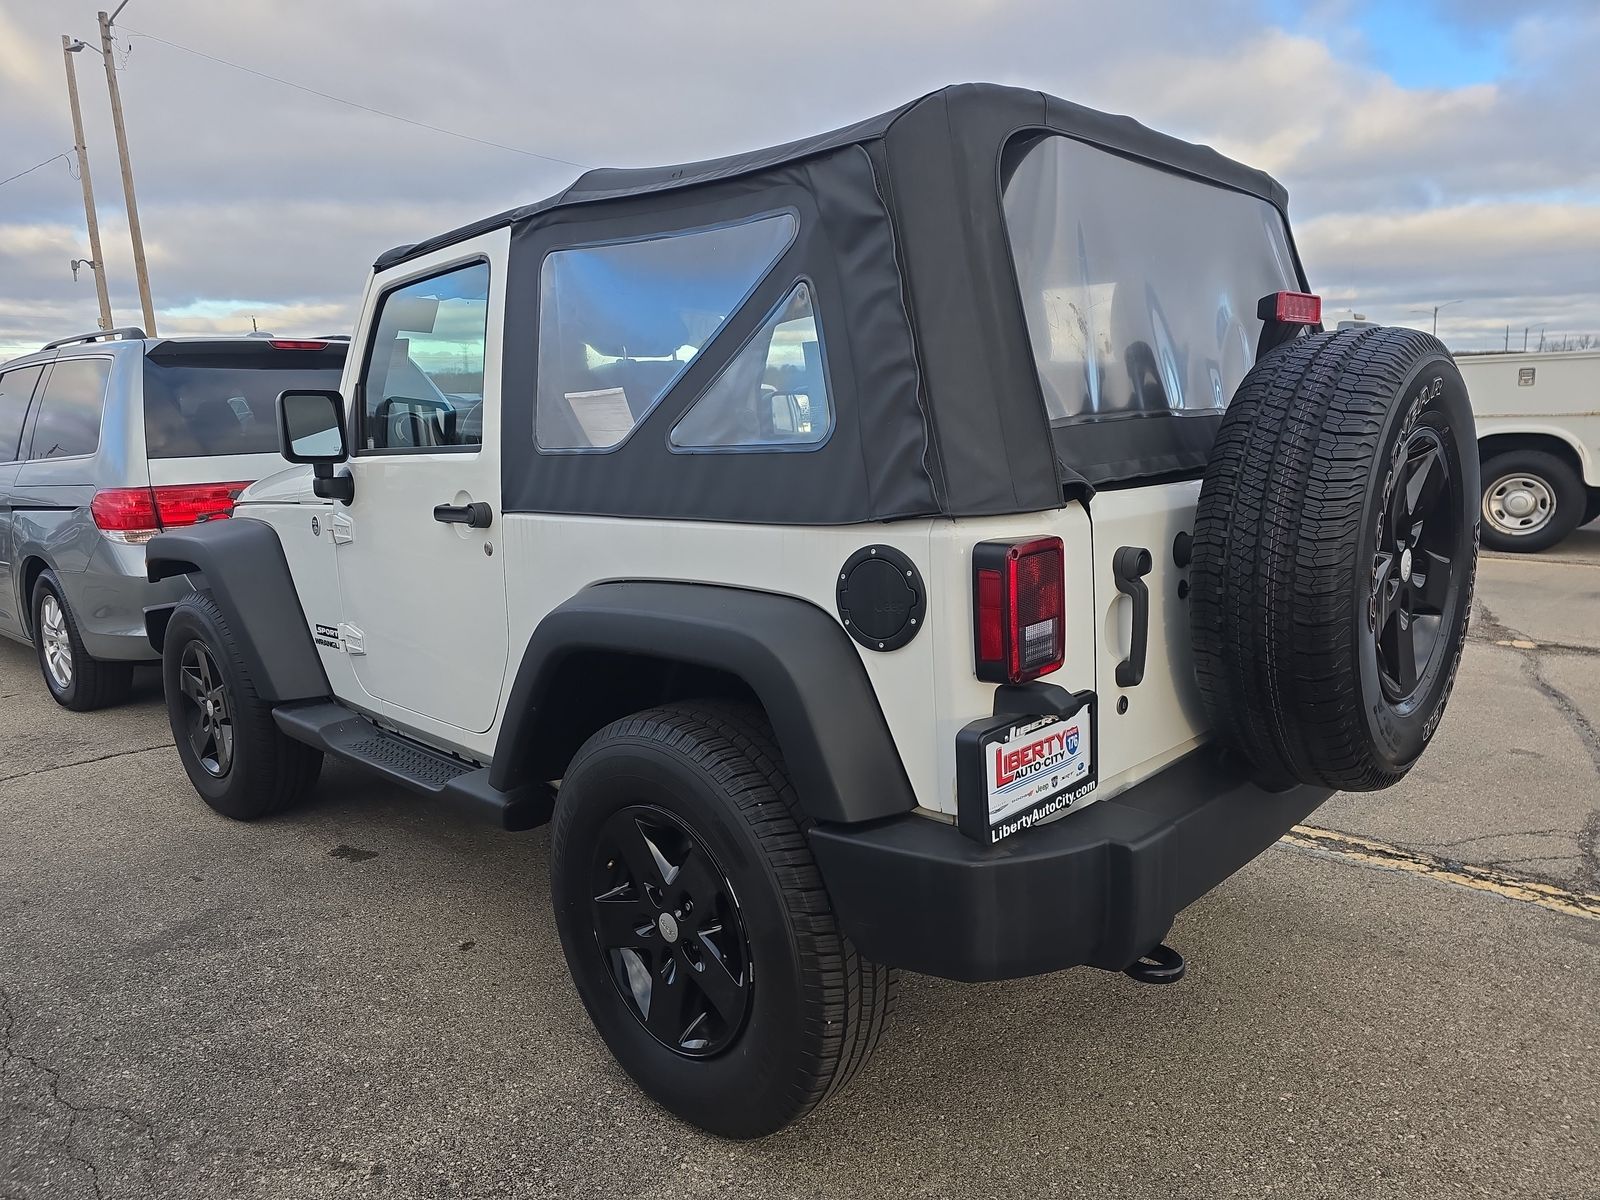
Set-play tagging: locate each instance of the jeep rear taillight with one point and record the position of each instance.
(135, 515)
(1019, 609)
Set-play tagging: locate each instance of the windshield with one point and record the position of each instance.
(199, 406)
(1139, 285)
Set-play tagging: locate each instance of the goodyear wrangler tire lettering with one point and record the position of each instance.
(1335, 550)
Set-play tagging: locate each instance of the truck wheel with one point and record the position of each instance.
(1531, 501)
(1334, 556)
(697, 928)
(1591, 510)
(76, 680)
(235, 755)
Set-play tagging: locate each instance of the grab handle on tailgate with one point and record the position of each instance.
(1129, 566)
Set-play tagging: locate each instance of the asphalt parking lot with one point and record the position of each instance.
(366, 998)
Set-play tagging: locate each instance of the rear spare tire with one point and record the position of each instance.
(1335, 549)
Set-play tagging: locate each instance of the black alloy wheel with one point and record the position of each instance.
(679, 862)
(209, 716)
(669, 925)
(1413, 570)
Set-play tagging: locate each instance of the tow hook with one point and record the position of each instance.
(1163, 964)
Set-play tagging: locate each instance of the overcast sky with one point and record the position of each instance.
(1434, 150)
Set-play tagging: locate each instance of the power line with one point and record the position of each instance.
(300, 87)
(35, 167)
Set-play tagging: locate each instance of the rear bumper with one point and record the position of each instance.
(1098, 887)
(109, 598)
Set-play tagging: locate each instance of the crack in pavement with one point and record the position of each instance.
(50, 1078)
(1494, 837)
(1588, 838)
(83, 762)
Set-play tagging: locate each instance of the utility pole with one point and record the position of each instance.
(1436, 309)
(69, 47)
(139, 268)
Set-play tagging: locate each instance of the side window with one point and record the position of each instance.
(423, 383)
(618, 323)
(772, 394)
(69, 411)
(16, 389)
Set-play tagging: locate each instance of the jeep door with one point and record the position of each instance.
(421, 575)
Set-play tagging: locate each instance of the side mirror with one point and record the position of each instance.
(311, 427)
(311, 430)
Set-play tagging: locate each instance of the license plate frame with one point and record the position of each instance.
(1014, 770)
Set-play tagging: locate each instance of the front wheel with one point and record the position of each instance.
(696, 925)
(233, 752)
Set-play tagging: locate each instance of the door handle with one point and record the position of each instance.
(476, 515)
(1129, 566)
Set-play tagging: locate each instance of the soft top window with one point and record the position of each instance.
(1139, 287)
(774, 393)
(618, 323)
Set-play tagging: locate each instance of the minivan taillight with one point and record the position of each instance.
(135, 515)
(1019, 609)
(126, 514)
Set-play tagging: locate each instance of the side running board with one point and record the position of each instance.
(345, 734)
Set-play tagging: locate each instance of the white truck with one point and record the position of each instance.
(1538, 419)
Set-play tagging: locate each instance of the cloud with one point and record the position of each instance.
(1533, 264)
(249, 188)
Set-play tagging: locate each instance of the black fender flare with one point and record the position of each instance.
(247, 574)
(796, 658)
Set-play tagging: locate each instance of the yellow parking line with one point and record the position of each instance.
(1484, 879)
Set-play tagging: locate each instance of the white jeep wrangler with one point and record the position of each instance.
(945, 543)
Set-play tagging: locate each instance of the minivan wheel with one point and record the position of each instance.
(233, 752)
(77, 680)
(697, 928)
(1335, 551)
(1531, 501)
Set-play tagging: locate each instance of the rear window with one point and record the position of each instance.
(200, 403)
(1139, 287)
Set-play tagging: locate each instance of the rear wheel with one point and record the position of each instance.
(77, 680)
(1334, 557)
(233, 752)
(1531, 501)
(697, 928)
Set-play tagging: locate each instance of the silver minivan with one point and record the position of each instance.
(105, 440)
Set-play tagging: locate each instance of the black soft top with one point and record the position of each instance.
(973, 109)
(939, 407)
